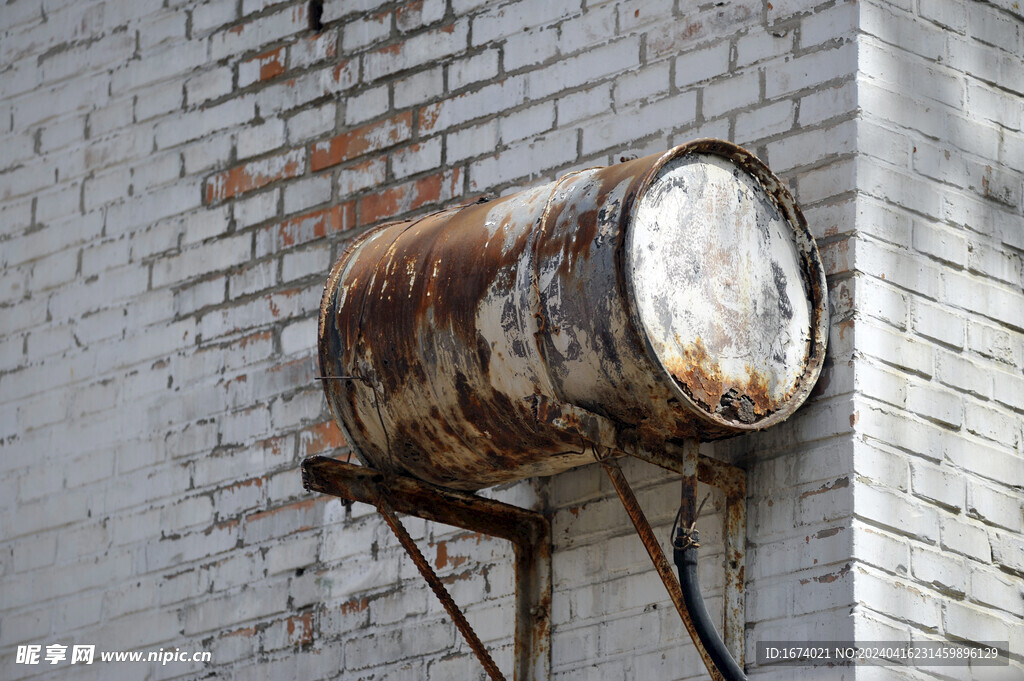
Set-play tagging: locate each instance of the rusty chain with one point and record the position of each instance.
(438, 588)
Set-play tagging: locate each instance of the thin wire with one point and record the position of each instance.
(348, 458)
(687, 539)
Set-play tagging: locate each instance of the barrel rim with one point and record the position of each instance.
(810, 264)
(331, 382)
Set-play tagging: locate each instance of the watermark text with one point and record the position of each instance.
(57, 653)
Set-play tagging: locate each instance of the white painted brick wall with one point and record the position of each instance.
(163, 261)
(931, 98)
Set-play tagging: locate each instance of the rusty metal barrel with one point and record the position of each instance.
(674, 296)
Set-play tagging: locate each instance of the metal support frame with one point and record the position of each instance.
(528, 531)
(732, 480)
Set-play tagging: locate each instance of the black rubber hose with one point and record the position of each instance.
(686, 562)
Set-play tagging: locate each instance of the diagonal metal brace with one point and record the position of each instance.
(435, 584)
(528, 531)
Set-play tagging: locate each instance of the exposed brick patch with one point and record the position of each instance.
(298, 507)
(320, 438)
(247, 632)
(254, 175)
(300, 629)
(353, 606)
(429, 116)
(305, 228)
(355, 143)
(262, 67)
(446, 558)
(409, 196)
(270, 64)
(299, 516)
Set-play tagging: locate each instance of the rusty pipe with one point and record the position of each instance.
(674, 296)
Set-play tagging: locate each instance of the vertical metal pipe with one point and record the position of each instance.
(688, 485)
(533, 607)
(735, 573)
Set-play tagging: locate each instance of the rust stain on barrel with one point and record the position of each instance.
(716, 391)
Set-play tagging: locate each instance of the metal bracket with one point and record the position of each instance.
(529, 532)
(728, 478)
(732, 480)
(661, 564)
(709, 648)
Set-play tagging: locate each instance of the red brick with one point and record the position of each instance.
(305, 228)
(443, 559)
(284, 520)
(277, 301)
(254, 175)
(428, 117)
(252, 349)
(354, 605)
(299, 507)
(258, 482)
(362, 175)
(409, 196)
(345, 74)
(410, 13)
(320, 438)
(271, 63)
(372, 137)
(300, 629)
